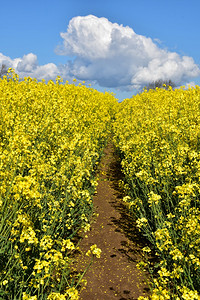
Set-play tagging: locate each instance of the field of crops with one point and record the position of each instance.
(158, 136)
(52, 136)
(51, 140)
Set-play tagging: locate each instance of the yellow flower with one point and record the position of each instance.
(72, 293)
(188, 294)
(176, 254)
(67, 244)
(146, 249)
(56, 296)
(153, 198)
(95, 251)
(27, 297)
(29, 235)
(141, 222)
(160, 294)
(46, 242)
(87, 227)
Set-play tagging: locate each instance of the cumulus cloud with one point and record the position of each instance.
(28, 66)
(110, 55)
(115, 56)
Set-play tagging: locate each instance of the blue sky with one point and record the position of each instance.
(35, 27)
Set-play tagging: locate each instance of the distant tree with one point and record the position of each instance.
(160, 84)
(3, 70)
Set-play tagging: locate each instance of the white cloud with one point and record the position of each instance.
(28, 63)
(28, 66)
(8, 61)
(115, 56)
(110, 55)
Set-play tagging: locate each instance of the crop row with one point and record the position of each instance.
(158, 136)
(51, 139)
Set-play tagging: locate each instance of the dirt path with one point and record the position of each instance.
(114, 275)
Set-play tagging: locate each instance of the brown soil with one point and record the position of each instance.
(114, 275)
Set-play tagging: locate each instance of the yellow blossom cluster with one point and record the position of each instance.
(95, 251)
(52, 136)
(157, 133)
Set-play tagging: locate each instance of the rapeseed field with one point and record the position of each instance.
(158, 136)
(51, 140)
(52, 137)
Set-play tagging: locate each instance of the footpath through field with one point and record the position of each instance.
(114, 275)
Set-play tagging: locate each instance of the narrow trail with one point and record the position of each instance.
(114, 275)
